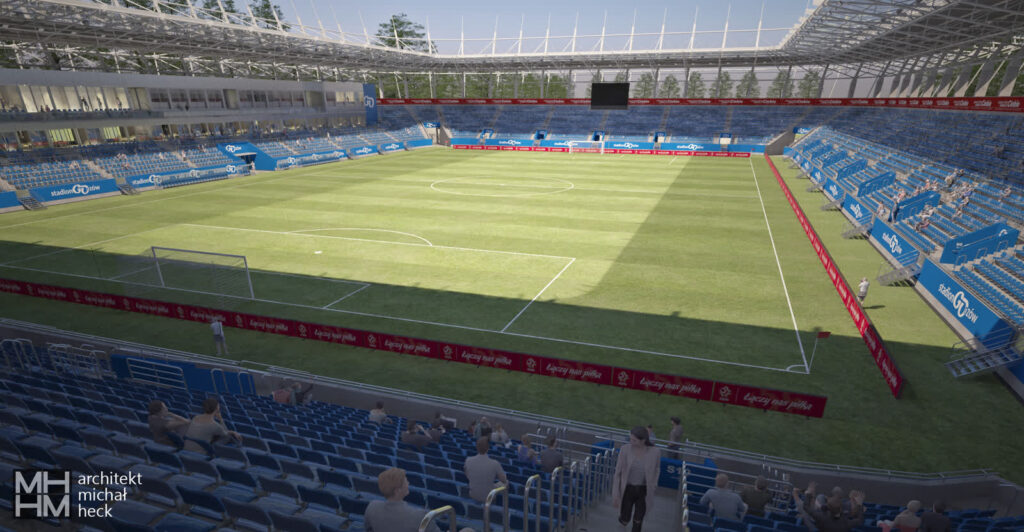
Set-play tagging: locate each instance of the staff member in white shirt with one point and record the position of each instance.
(862, 289)
(218, 336)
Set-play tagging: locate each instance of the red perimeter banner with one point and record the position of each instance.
(876, 346)
(633, 379)
(1005, 104)
(606, 151)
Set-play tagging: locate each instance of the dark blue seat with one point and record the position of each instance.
(288, 523)
(248, 515)
(202, 503)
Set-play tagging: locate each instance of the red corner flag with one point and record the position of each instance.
(824, 334)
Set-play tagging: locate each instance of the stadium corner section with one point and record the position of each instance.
(876, 346)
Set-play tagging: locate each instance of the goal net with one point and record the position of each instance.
(201, 271)
(586, 146)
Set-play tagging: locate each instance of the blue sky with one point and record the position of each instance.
(478, 18)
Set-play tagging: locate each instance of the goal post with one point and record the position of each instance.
(576, 146)
(203, 271)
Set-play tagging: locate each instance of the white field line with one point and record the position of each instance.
(796, 329)
(301, 231)
(425, 322)
(317, 277)
(65, 250)
(346, 296)
(521, 311)
(378, 241)
(131, 273)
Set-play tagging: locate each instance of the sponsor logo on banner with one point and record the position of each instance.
(960, 302)
(553, 367)
(894, 244)
(856, 210)
(362, 151)
(369, 102)
(509, 142)
(232, 148)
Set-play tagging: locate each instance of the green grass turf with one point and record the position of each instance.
(652, 255)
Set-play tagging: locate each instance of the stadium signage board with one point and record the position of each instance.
(418, 143)
(883, 359)
(856, 211)
(74, 190)
(675, 385)
(9, 200)
(894, 243)
(970, 311)
(986, 240)
(394, 146)
(1013, 104)
(832, 190)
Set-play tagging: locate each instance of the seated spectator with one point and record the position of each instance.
(416, 436)
(293, 395)
(482, 428)
(481, 471)
(378, 415)
(436, 432)
(906, 521)
(935, 519)
(162, 421)
(922, 224)
(757, 497)
(727, 504)
(830, 517)
(394, 514)
(499, 436)
(525, 453)
(551, 457)
(1006, 192)
(209, 427)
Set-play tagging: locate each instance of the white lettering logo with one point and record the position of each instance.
(363, 150)
(369, 102)
(960, 303)
(894, 243)
(231, 148)
(691, 146)
(628, 145)
(856, 210)
(512, 142)
(392, 146)
(230, 168)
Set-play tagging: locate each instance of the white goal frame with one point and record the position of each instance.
(573, 143)
(160, 275)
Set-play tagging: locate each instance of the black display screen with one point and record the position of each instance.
(609, 96)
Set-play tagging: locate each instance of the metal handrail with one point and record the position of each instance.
(429, 517)
(690, 447)
(503, 490)
(589, 485)
(573, 494)
(559, 473)
(532, 481)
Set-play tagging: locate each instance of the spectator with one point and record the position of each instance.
(436, 432)
(162, 421)
(906, 521)
(218, 335)
(551, 457)
(525, 453)
(636, 478)
(830, 518)
(757, 497)
(293, 394)
(416, 436)
(482, 428)
(881, 212)
(481, 470)
(1006, 192)
(378, 415)
(675, 436)
(862, 289)
(935, 519)
(499, 436)
(394, 514)
(650, 432)
(208, 427)
(727, 504)
(922, 224)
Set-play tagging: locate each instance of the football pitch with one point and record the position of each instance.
(686, 265)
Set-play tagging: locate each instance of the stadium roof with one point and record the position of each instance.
(864, 34)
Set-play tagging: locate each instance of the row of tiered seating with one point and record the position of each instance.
(30, 175)
(141, 163)
(318, 462)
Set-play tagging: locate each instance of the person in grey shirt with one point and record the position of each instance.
(394, 514)
(481, 470)
(551, 457)
(727, 504)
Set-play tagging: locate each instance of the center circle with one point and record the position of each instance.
(502, 187)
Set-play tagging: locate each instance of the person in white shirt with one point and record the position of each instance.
(862, 289)
(218, 336)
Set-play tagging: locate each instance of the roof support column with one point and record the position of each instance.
(1010, 73)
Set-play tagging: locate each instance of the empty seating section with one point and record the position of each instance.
(275, 148)
(318, 462)
(409, 133)
(696, 124)
(518, 121)
(751, 125)
(469, 120)
(203, 157)
(575, 122)
(637, 124)
(41, 174)
(397, 116)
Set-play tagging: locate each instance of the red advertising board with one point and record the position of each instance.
(886, 365)
(1014, 104)
(661, 383)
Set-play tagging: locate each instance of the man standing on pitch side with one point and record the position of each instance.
(218, 336)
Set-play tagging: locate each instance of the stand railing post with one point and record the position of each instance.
(427, 519)
(532, 481)
(557, 473)
(503, 490)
